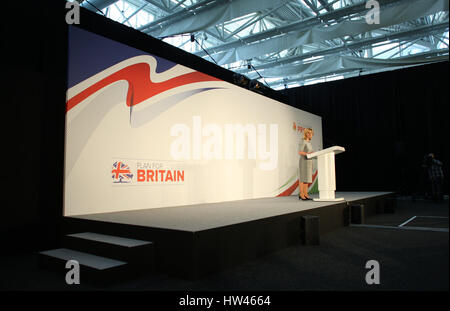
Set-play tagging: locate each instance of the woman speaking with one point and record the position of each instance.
(305, 164)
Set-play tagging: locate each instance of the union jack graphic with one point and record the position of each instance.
(121, 173)
(297, 127)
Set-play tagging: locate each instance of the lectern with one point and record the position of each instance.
(326, 172)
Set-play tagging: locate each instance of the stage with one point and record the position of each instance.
(195, 240)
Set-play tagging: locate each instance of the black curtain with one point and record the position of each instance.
(386, 121)
(34, 53)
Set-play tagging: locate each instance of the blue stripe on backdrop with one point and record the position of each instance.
(83, 63)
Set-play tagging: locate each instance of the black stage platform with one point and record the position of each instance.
(192, 241)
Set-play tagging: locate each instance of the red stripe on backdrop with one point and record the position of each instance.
(294, 186)
(140, 87)
(289, 190)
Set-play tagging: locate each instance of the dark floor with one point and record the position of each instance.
(409, 260)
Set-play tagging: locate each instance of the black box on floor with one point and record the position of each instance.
(357, 213)
(310, 230)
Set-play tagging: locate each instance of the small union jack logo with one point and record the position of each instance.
(297, 127)
(121, 173)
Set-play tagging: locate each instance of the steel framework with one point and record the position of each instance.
(236, 33)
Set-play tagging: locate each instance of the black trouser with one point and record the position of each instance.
(436, 189)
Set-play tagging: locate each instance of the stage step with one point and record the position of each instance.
(92, 268)
(136, 252)
(103, 259)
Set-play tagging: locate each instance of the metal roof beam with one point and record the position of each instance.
(393, 37)
(135, 12)
(253, 21)
(94, 5)
(346, 71)
(162, 8)
(171, 18)
(296, 26)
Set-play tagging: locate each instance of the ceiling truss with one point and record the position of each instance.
(240, 29)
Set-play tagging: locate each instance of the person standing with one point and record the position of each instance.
(436, 177)
(305, 164)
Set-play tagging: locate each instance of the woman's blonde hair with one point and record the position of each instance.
(306, 131)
